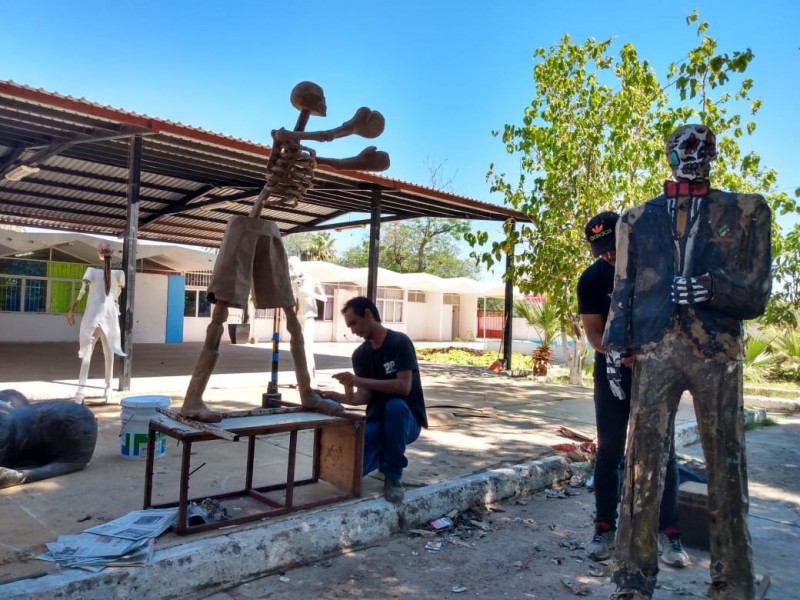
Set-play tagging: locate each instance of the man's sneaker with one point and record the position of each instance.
(601, 545)
(393, 490)
(625, 594)
(672, 553)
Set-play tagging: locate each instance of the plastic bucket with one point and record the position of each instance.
(136, 414)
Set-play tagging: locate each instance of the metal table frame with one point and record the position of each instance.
(338, 451)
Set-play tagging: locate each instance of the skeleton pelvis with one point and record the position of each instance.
(251, 253)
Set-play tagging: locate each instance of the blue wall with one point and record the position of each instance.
(176, 285)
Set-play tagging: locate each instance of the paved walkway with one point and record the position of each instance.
(479, 421)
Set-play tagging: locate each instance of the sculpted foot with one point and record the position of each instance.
(201, 413)
(323, 405)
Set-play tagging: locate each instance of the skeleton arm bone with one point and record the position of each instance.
(71, 311)
(369, 159)
(365, 123)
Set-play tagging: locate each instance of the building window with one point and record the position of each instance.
(416, 296)
(325, 310)
(195, 304)
(453, 299)
(10, 294)
(35, 295)
(25, 294)
(199, 279)
(390, 304)
(32, 285)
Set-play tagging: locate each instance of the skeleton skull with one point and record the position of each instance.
(309, 96)
(690, 150)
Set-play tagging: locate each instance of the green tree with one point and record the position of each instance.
(424, 245)
(311, 246)
(593, 138)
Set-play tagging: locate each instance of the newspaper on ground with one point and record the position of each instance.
(127, 541)
(138, 524)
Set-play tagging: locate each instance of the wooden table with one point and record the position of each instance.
(338, 451)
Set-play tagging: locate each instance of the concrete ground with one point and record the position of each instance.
(490, 439)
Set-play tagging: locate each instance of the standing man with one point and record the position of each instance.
(693, 263)
(612, 394)
(387, 380)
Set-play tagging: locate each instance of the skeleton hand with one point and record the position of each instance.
(614, 374)
(692, 290)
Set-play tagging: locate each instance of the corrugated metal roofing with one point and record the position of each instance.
(192, 180)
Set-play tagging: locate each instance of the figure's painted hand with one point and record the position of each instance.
(71, 318)
(614, 375)
(692, 290)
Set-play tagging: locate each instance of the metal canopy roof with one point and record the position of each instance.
(192, 180)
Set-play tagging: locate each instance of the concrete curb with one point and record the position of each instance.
(687, 433)
(773, 404)
(232, 558)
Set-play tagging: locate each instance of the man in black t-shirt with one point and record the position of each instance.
(387, 380)
(612, 394)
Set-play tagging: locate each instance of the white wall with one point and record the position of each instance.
(34, 327)
(150, 309)
(468, 317)
(194, 328)
(416, 323)
(433, 316)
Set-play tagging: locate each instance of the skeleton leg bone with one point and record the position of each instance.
(193, 405)
(308, 397)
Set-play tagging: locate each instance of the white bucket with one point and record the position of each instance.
(136, 414)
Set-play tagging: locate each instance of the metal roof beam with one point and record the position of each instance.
(179, 206)
(46, 151)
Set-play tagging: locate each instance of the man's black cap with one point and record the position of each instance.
(600, 232)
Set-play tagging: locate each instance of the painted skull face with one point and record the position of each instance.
(690, 150)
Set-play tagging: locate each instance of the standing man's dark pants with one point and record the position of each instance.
(660, 377)
(611, 416)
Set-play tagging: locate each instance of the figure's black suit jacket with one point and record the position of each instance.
(731, 242)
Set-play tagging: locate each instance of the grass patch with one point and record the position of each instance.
(768, 422)
(469, 356)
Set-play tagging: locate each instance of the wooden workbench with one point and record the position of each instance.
(338, 450)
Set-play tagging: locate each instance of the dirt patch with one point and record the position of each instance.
(528, 548)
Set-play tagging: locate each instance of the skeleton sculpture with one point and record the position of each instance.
(252, 254)
(100, 319)
(692, 264)
(44, 439)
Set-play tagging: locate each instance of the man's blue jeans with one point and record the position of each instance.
(385, 441)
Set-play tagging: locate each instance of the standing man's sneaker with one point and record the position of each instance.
(671, 550)
(601, 545)
(393, 490)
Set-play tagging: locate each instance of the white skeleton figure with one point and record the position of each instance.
(252, 256)
(100, 319)
(307, 292)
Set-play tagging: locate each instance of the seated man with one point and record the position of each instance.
(387, 380)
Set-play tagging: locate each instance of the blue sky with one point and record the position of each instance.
(443, 73)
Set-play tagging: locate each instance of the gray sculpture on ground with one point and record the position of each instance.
(43, 439)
